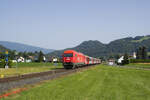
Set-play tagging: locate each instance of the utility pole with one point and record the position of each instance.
(16, 56)
(6, 59)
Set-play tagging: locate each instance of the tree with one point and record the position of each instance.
(116, 56)
(138, 54)
(40, 57)
(141, 53)
(25, 55)
(20, 54)
(125, 59)
(144, 52)
(102, 58)
(12, 54)
(110, 57)
(2, 55)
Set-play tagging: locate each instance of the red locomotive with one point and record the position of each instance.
(72, 59)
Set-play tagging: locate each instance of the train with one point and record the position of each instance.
(72, 59)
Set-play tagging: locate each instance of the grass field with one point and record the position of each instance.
(139, 65)
(99, 83)
(24, 68)
(34, 64)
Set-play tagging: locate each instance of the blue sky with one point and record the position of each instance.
(59, 24)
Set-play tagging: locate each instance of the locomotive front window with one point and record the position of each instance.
(68, 55)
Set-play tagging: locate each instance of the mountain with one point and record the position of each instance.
(3, 49)
(91, 48)
(98, 49)
(85, 47)
(23, 47)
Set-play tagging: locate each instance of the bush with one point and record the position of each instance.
(3, 63)
(10, 63)
(125, 62)
(139, 60)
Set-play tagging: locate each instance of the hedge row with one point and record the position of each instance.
(139, 60)
(3, 63)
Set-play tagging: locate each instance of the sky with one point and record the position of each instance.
(59, 24)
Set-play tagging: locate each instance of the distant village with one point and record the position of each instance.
(141, 55)
(35, 59)
(7, 58)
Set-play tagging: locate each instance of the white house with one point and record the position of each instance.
(21, 59)
(28, 60)
(134, 55)
(120, 59)
(44, 58)
(111, 62)
(55, 60)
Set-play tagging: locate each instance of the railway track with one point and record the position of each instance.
(31, 75)
(33, 78)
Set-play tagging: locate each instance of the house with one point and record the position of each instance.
(120, 60)
(20, 59)
(55, 60)
(134, 55)
(111, 62)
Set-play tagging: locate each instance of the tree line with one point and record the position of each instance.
(13, 55)
(142, 53)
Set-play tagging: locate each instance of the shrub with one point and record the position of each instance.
(139, 60)
(3, 63)
(10, 63)
(125, 62)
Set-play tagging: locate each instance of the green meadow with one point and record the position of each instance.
(139, 65)
(98, 83)
(24, 68)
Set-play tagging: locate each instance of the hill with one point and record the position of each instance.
(23, 47)
(3, 49)
(120, 46)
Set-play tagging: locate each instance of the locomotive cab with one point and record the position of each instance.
(68, 59)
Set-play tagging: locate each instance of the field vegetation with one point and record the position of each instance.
(139, 60)
(98, 83)
(139, 65)
(24, 68)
